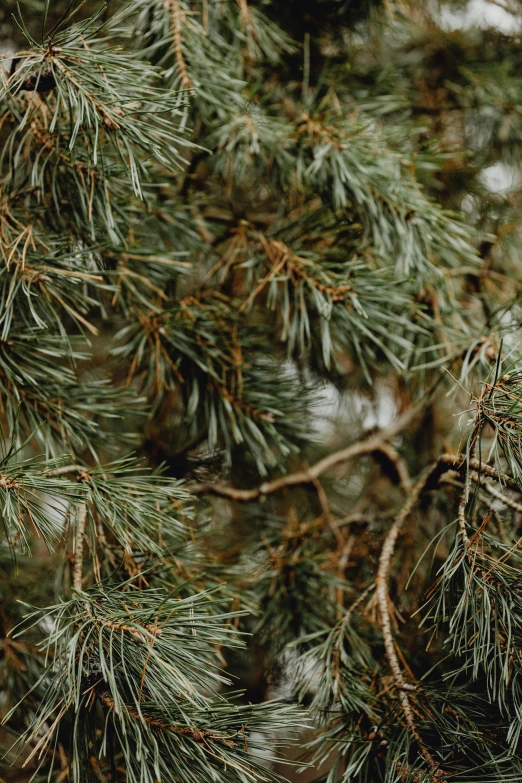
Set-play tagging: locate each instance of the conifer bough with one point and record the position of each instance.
(213, 215)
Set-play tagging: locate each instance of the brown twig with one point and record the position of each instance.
(378, 442)
(178, 44)
(81, 521)
(64, 469)
(327, 514)
(341, 566)
(140, 633)
(461, 517)
(382, 597)
(195, 734)
(459, 461)
(398, 462)
(246, 20)
(78, 545)
(358, 601)
(494, 492)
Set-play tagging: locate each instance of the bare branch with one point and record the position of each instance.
(462, 517)
(381, 591)
(78, 545)
(458, 462)
(378, 442)
(494, 492)
(178, 45)
(82, 471)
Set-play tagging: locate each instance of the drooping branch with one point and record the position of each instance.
(381, 591)
(479, 473)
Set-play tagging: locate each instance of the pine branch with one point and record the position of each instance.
(495, 493)
(376, 442)
(300, 236)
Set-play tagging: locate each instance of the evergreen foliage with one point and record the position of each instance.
(216, 218)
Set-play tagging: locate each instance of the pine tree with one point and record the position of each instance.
(218, 217)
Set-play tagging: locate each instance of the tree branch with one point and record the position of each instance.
(505, 499)
(62, 471)
(462, 518)
(377, 442)
(196, 734)
(459, 460)
(78, 545)
(381, 591)
(178, 45)
(480, 471)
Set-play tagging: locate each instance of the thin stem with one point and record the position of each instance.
(461, 516)
(494, 492)
(378, 442)
(343, 562)
(383, 599)
(358, 601)
(196, 734)
(178, 45)
(66, 469)
(399, 463)
(459, 461)
(78, 545)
